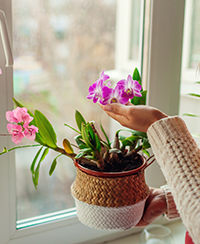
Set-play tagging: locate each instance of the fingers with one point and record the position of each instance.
(117, 112)
(115, 108)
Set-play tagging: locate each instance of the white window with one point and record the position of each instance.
(190, 67)
(42, 32)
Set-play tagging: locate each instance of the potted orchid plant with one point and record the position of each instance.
(101, 164)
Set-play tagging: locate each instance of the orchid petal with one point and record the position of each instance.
(103, 76)
(30, 132)
(10, 117)
(22, 115)
(16, 132)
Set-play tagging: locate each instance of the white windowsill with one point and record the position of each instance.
(177, 228)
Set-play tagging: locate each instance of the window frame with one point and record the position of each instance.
(123, 36)
(188, 74)
(63, 229)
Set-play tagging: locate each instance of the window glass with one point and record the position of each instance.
(60, 48)
(190, 67)
(194, 57)
(135, 30)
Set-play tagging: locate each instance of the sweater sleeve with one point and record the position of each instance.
(179, 158)
(172, 212)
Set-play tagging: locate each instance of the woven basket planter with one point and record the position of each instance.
(110, 201)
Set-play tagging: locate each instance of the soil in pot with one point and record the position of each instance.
(123, 164)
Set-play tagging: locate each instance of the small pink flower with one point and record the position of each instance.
(30, 131)
(0, 71)
(10, 117)
(19, 115)
(16, 132)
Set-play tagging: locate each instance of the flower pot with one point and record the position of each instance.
(110, 200)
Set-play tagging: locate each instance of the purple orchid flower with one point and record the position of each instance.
(115, 95)
(131, 87)
(103, 76)
(95, 90)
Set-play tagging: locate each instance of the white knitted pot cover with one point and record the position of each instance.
(109, 218)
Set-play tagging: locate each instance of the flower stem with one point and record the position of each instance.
(25, 146)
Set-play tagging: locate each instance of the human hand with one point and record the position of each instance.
(138, 117)
(154, 207)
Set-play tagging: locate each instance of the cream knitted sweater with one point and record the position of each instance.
(179, 158)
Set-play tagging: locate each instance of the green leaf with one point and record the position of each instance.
(81, 144)
(35, 175)
(86, 150)
(72, 128)
(146, 152)
(18, 104)
(86, 137)
(46, 130)
(192, 115)
(115, 150)
(139, 133)
(140, 100)
(130, 141)
(90, 157)
(136, 75)
(34, 160)
(53, 165)
(107, 139)
(90, 132)
(79, 119)
(80, 155)
(145, 144)
(122, 137)
(194, 94)
(134, 132)
(67, 146)
(98, 143)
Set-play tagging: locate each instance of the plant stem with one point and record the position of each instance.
(134, 151)
(73, 155)
(6, 151)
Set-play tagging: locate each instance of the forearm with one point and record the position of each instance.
(179, 158)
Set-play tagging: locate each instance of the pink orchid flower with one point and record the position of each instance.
(30, 132)
(16, 132)
(19, 115)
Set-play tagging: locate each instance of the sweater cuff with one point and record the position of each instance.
(172, 212)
